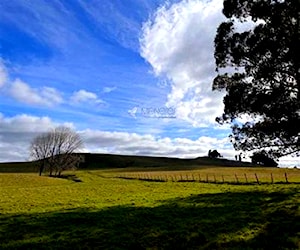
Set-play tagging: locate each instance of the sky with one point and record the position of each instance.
(131, 77)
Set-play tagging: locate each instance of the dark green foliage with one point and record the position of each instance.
(214, 154)
(263, 159)
(264, 82)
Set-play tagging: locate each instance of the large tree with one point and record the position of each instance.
(258, 64)
(54, 151)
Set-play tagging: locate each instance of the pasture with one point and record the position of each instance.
(99, 209)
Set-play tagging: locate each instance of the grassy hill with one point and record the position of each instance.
(139, 202)
(117, 161)
(100, 161)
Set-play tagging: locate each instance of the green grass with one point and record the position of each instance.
(237, 175)
(106, 212)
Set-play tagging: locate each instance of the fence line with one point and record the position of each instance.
(213, 178)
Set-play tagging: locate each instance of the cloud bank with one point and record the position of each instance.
(16, 133)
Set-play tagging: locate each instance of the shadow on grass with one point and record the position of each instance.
(70, 177)
(249, 220)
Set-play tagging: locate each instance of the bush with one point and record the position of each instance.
(262, 158)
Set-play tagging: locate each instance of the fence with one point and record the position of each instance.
(246, 178)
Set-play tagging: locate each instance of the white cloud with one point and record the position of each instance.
(45, 96)
(108, 89)
(3, 74)
(137, 144)
(85, 96)
(24, 93)
(288, 161)
(25, 123)
(17, 132)
(52, 95)
(179, 45)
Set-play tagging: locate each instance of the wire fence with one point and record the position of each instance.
(246, 178)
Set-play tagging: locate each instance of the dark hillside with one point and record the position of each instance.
(95, 161)
(18, 167)
(100, 161)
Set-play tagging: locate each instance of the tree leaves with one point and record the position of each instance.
(262, 74)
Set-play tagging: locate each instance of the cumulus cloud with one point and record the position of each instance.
(24, 123)
(24, 93)
(178, 42)
(82, 96)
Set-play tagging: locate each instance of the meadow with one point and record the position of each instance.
(100, 209)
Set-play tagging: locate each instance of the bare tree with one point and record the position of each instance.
(54, 151)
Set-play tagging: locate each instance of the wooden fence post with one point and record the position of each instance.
(246, 178)
(272, 180)
(256, 178)
(286, 177)
(207, 178)
(199, 177)
(237, 180)
(215, 178)
(223, 179)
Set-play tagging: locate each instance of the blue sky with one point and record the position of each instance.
(112, 70)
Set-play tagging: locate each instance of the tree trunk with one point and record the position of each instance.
(42, 168)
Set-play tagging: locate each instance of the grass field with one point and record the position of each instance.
(230, 175)
(98, 210)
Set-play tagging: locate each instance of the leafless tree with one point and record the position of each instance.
(54, 151)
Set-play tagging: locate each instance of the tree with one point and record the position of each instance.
(54, 150)
(263, 159)
(260, 70)
(214, 154)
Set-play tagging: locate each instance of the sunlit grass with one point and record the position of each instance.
(213, 174)
(106, 212)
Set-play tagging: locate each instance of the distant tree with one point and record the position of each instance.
(260, 70)
(54, 151)
(262, 158)
(214, 154)
(209, 153)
